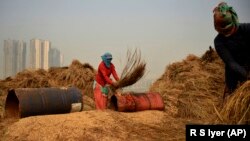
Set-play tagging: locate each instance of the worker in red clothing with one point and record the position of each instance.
(102, 80)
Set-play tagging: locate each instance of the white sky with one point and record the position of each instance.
(165, 31)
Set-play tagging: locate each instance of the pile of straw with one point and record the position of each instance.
(190, 88)
(77, 74)
(237, 108)
(27, 79)
(133, 70)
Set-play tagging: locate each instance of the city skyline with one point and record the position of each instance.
(16, 57)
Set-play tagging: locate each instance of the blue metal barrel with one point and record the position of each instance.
(24, 102)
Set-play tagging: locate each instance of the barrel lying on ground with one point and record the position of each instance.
(131, 102)
(24, 102)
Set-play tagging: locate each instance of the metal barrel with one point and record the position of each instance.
(24, 102)
(131, 102)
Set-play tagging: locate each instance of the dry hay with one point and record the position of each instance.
(190, 88)
(237, 108)
(27, 79)
(2, 97)
(98, 125)
(77, 74)
(133, 70)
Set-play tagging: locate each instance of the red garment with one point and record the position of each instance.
(102, 78)
(103, 74)
(101, 100)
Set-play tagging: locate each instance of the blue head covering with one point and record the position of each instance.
(106, 58)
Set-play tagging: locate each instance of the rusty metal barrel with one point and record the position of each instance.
(24, 102)
(131, 102)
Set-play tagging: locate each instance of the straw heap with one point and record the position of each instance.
(77, 74)
(191, 87)
(237, 108)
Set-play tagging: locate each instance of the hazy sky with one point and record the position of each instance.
(165, 31)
